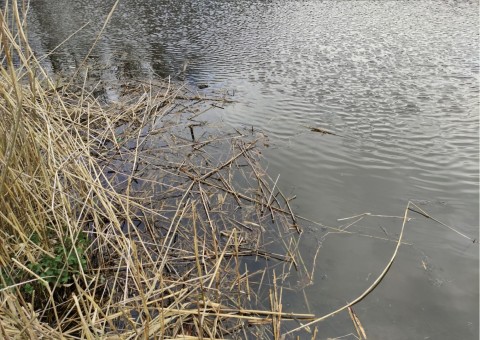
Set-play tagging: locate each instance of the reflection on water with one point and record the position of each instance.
(397, 81)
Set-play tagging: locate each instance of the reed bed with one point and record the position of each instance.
(131, 219)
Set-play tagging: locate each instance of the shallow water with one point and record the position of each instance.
(396, 81)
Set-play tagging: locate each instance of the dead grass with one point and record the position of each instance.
(132, 219)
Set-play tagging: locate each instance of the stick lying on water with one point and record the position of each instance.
(422, 212)
(321, 130)
(358, 325)
(327, 132)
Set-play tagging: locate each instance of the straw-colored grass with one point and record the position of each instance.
(130, 219)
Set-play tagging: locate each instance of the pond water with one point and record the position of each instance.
(396, 82)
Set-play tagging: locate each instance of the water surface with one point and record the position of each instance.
(396, 81)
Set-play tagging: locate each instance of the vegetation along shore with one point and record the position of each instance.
(130, 219)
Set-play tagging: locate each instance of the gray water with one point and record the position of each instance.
(396, 81)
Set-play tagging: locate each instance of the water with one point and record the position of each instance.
(397, 81)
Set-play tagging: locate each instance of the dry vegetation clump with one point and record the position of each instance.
(131, 219)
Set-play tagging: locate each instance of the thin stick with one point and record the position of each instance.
(425, 214)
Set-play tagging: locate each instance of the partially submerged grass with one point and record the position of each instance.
(128, 219)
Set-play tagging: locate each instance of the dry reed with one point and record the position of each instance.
(128, 220)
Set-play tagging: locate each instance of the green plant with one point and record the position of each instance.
(68, 260)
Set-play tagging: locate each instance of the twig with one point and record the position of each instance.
(425, 214)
